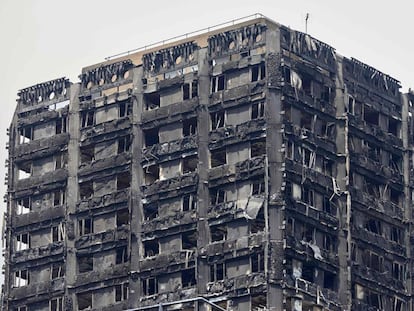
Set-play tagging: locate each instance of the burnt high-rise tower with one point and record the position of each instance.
(249, 167)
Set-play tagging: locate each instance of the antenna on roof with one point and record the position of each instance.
(306, 23)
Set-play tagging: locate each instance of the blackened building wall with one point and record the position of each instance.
(247, 168)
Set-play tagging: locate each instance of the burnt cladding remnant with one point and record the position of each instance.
(247, 168)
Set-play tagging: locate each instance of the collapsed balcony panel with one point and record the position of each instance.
(111, 164)
(107, 202)
(171, 221)
(239, 286)
(237, 41)
(107, 101)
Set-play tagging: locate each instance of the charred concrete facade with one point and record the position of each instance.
(246, 168)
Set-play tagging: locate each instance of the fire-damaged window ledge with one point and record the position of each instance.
(32, 291)
(240, 171)
(168, 222)
(236, 284)
(378, 241)
(238, 93)
(95, 277)
(161, 263)
(107, 200)
(110, 237)
(319, 217)
(168, 296)
(39, 181)
(38, 217)
(234, 134)
(170, 184)
(105, 131)
(41, 147)
(295, 286)
(104, 164)
(42, 252)
(171, 150)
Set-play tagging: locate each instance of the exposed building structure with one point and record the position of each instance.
(250, 167)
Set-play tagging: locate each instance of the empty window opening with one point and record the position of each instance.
(218, 157)
(56, 304)
(59, 197)
(57, 270)
(257, 262)
(123, 181)
(397, 235)
(370, 115)
(375, 262)
(150, 211)
(189, 240)
(218, 233)
(258, 72)
(84, 301)
(394, 127)
(395, 162)
(329, 243)
(259, 303)
(124, 144)
(151, 248)
(217, 272)
(122, 217)
(58, 233)
(21, 278)
(308, 233)
(188, 278)
(374, 226)
(307, 196)
(189, 203)
(258, 147)
(189, 164)
(86, 190)
(306, 121)
(85, 226)
(308, 273)
(398, 271)
(152, 100)
(286, 74)
(24, 206)
(328, 207)
(217, 196)
(194, 88)
(307, 83)
(258, 224)
(25, 170)
(121, 292)
(22, 241)
(121, 255)
(217, 119)
(85, 264)
(87, 118)
(61, 125)
(149, 286)
(308, 158)
(375, 300)
(152, 174)
(61, 160)
(26, 135)
(258, 187)
(186, 91)
(351, 104)
(151, 137)
(189, 127)
(395, 196)
(218, 83)
(125, 109)
(329, 280)
(87, 154)
(258, 110)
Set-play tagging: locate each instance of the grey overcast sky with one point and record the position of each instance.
(47, 39)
